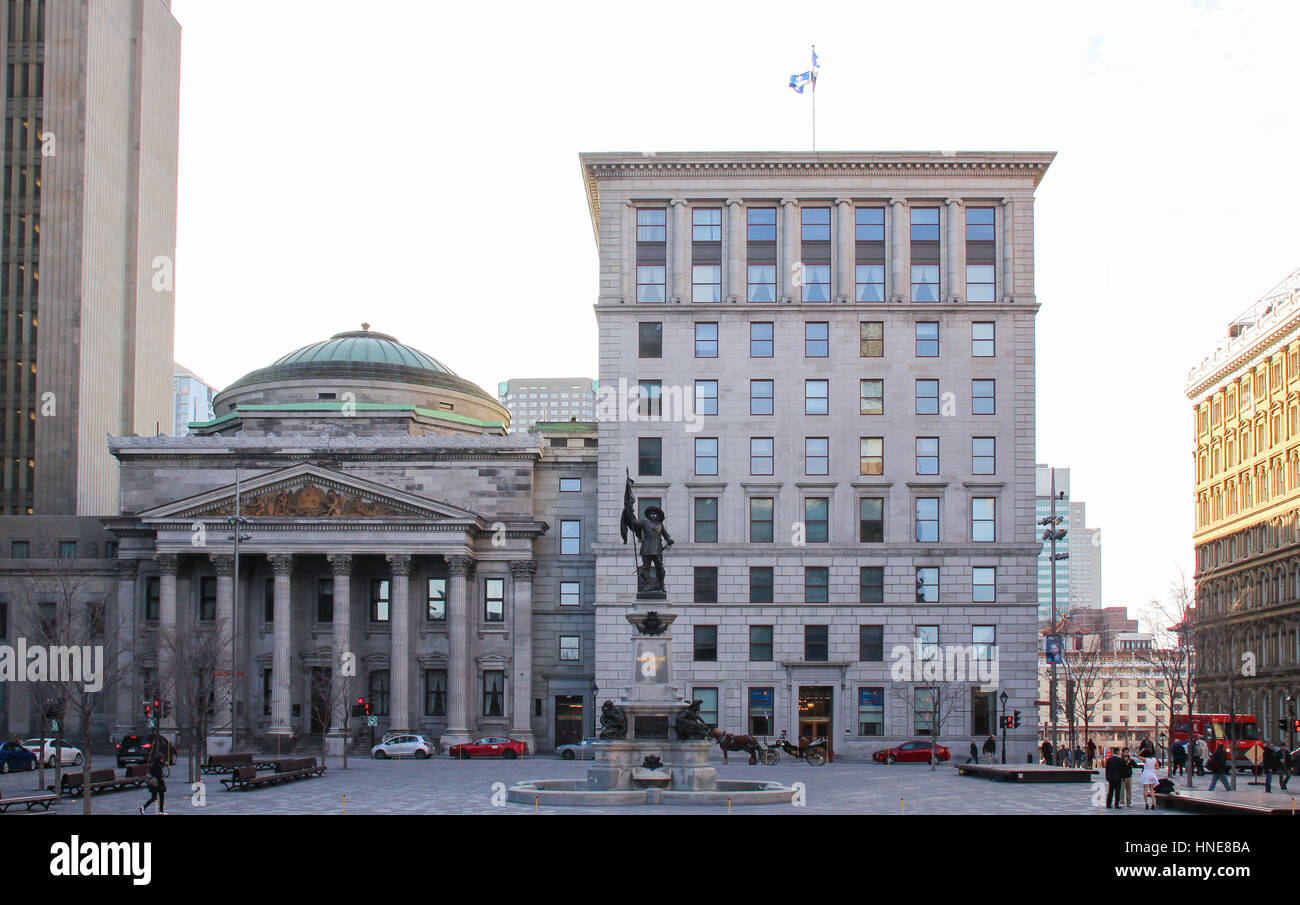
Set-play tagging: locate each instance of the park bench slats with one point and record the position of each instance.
(74, 784)
(284, 770)
(30, 801)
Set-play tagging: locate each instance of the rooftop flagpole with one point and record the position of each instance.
(814, 97)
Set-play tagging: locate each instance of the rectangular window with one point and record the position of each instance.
(571, 648)
(706, 520)
(815, 644)
(494, 600)
(706, 397)
(110, 546)
(708, 698)
(982, 526)
(925, 708)
(761, 520)
(706, 283)
(650, 340)
(570, 485)
(815, 246)
(570, 537)
(870, 282)
(570, 593)
(984, 584)
(760, 711)
(871, 520)
(982, 397)
(871, 339)
(816, 339)
(873, 456)
(706, 455)
(760, 584)
(984, 638)
(927, 642)
(761, 397)
(207, 598)
(325, 600)
(871, 711)
(96, 619)
(816, 397)
(268, 601)
(761, 342)
(266, 692)
(379, 600)
(762, 282)
(494, 692)
(760, 643)
(706, 340)
(435, 609)
(927, 397)
(650, 456)
(706, 584)
(650, 283)
(20, 549)
(983, 455)
(816, 455)
(979, 282)
(706, 644)
(927, 339)
(816, 584)
(927, 455)
(649, 398)
(925, 254)
(816, 518)
(816, 281)
(982, 339)
(706, 224)
(435, 692)
(871, 394)
(871, 643)
(927, 520)
(761, 460)
(67, 549)
(761, 253)
(925, 282)
(869, 224)
(761, 223)
(871, 584)
(651, 224)
(927, 584)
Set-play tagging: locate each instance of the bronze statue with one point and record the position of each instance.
(690, 725)
(613, 722)
(654, 538)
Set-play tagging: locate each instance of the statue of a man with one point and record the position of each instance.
(690, 723)
(654, 538)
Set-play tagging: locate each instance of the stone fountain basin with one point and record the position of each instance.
(577, 793)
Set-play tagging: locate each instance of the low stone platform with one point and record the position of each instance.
(576, 793)
(1243, 801)
(1026, 772)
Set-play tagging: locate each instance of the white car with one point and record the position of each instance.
(404, 746)
(46, 749)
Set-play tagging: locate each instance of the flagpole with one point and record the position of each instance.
(814, 97)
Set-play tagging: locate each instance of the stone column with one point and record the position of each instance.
(1008, 250)
(458, 629)
(399, 615)
(900, 231)
(954, 281)
(522, 572)
(127, 707)
(169, 565)
(627, 265)
(789, 251)
(679, 277)
(344, 671)
(735, 290)
(281, 662)
(219, 739)
(845, 257)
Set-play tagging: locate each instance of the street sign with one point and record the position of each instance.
(153, 724)
(372, 721)
(1254, 754)
(54, 725)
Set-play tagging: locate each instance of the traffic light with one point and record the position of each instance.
(1016, 720)
(166, 709)
(359, 708)
(1281, 723)
(1295, 725)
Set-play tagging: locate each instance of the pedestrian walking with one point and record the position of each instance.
(1127, 759)
(1219, 767)
(990, 748)
(1284, 766)
(1047, 752)
(1178, 759)
(1078, 756)
(1092, 753)
(974, 753)
(1198, 756)
(1114, 781)
(1268, 763)
(1149, 780)
(157, 788)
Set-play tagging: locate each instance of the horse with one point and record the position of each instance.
(728, 742)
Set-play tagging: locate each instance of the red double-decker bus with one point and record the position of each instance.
(1219, 727)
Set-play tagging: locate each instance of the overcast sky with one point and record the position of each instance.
(414, 165)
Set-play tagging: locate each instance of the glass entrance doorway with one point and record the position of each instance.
(568, 719)
(816, 705)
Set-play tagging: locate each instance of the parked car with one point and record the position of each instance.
(14, 756)
(403, 746)
(582, 750)
(910, 753)
(137, 749)
(48, 748)
(491, 746)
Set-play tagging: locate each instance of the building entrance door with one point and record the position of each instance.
(568, 719)
(816, 705)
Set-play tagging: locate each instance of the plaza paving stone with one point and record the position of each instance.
(446, 786)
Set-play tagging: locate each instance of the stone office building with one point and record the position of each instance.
(393, 526)
(856, 472)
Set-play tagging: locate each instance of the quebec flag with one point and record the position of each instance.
(801, 80)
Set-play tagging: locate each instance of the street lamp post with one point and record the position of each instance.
(1003, 698)
(1052, 535)
(1290, 710)
(236, 523)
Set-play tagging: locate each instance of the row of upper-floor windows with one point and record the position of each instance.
(928, 400)
(817, 339)
(1252, 438)
(815, 224)
(65, 549)
(1240, 398)
(1248, 489)
(816, 588)
(813, 281)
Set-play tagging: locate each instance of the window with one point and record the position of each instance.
(570, 485)
(110, 546)
(67, 549)
(871, 643)
(816, 339)
(815, 235)
(706, 520)
(925, 282)
(324, 600)
(925, 708)
(871, 711)
(706, 584)
(816, 518)
(650, 283)
(267, 693)
(981, 254)
(760, 584)
(927, 520)
(927, 455)
(435, 692)
(706, 397)
(20, 549)
(494, 692)
(984, 640)
(706, 455)
(816, 397)
(706, 283)
(570, 537)
(152, 598)
(651, 254)
(979, 282)
(645, 502)
(435, 600)
(708, 698)
(4, 620)
(927, 339)
(761, 253)
(816, 584)
(96, 618)
(761, 224)
(873, 456)
(761, 520)
(570, 593)
(816, 455)
(871, 339)
(984, 584)
(760, 711)
(706, 644)
(760, 643)
(870, 282)
(378, 689)
(871, 520)
(982, 344)
(981, 397)
(706, 254)
(649, 398)
(871, 584)
(379, 600)
(762, 282)
(925, 254)
(706, 340)
(570, 648)
(706, 224)
(872, 397)
(981, 519)
(761, 343)
(494, 600)
(870, 224)
(927, 397)
(815, 645)
(652, 225)
(207, 598)
(927, 584)
(927, 642)
(761, 394)
(983, 455)
(761, 460)
(650, 456)
(650, 340)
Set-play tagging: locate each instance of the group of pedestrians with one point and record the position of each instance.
(1120, 766)
(990, 749)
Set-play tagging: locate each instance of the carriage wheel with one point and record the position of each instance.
(817, 757)
(771, 757)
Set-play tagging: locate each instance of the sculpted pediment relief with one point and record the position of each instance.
(310, 501)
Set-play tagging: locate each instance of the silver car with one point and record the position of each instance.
(404, 746)
(583, 750)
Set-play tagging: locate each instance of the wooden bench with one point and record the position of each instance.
(44, 799)
(75, 784)
(227, 763)
(286, 770)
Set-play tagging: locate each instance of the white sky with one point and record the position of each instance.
(344, 162)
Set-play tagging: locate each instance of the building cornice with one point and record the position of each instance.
(1273, 319)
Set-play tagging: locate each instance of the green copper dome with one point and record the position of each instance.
(363, 347)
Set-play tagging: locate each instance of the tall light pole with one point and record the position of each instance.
(236, 523)
(1003, 698)
(1052, 535)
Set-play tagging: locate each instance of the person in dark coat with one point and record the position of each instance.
(1219, 767)
(1114, 781)
(1178, 758)
(1269, 765)
(1127, 759)
(974, 753)
(1047, 752)
(991, 748)
(1284, 766)
(157, 788)
(1092, 752)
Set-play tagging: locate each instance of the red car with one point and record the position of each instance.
(910, 753)
(493, 746)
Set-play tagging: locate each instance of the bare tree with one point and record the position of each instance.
(195, 657)
(1173, 656)
(331, 695)
(1088, 670)
(932, 704)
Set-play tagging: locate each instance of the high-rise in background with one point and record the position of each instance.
(539, 400)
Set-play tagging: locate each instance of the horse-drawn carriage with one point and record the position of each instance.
(812, 750)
